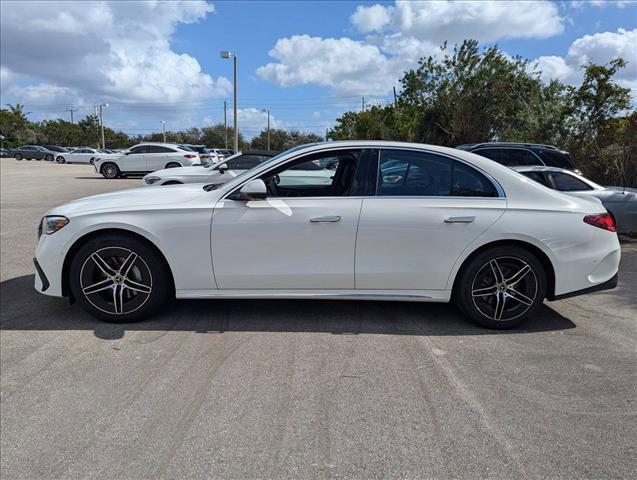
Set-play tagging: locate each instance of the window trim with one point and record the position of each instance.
(494, 182)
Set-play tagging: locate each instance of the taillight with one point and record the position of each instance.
(190, 155)
(603, 220)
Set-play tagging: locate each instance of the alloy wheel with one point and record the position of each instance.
(504, 288)
(116, 280)
(110, 171)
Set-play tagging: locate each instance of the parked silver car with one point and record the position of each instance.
(621, 202)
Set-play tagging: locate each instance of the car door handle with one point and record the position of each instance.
(459, 219)
(326, 219)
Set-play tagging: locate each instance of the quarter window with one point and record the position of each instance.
(468, 182)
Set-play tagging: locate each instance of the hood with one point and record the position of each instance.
(134, 198)
(181, 171)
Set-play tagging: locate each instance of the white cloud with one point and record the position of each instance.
(370, 19)
(347, 65)
(118, 51)
(453, 21)
(397, 37)
(598, 48)
(600, 3)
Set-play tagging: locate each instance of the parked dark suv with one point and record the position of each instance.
(522, 154)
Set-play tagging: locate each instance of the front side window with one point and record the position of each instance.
(568, 183)
(306, 178)
(139, 149)
(246, 162)
(159, 149)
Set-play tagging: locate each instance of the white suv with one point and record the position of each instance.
(145, 158)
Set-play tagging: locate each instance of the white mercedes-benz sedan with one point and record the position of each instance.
(398, 221)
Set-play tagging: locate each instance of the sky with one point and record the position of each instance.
(307, 62)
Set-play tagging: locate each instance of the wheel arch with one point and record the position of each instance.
(542, 257)
(79, 242)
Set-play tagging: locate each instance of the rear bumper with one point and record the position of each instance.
(607, 285)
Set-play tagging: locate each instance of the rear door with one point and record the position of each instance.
(428, 208)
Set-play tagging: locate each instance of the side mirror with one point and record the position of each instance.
(222, 168)
(253, 190)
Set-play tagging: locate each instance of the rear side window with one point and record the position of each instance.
(555, 158)
(494, 154)
(405, 173)
(537, 176)
(468, 182)
(568, 183)
(515, 157)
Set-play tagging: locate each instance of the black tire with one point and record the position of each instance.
(501, 287)
(38, 159)
(110, 170)
(60, 159)
(129, 278)
(91, 161)
(18, 157)
(48, 157)
(172, 165)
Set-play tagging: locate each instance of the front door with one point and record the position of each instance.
(300, 237)
(427, 210)
(135, 160)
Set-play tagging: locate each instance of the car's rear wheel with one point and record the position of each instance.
(17, 156)
(119, 278)
(60, 159)
(49, 158)
(501, 287)
(110, 170)
(172, 165)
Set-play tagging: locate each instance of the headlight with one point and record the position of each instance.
(51, 224)
(151, 180)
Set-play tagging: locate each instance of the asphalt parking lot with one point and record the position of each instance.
(302, 389)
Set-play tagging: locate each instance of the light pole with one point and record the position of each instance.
(264, 110)
(226, 54)
(163, 126)
(102, 123)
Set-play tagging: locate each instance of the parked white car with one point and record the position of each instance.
(398, 221)
(82, 155)
(217, 173)
(144, 158)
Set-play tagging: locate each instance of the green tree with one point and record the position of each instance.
(281, 139)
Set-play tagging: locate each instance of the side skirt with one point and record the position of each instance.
(389, 295)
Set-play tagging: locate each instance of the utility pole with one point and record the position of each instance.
(268, 111)
(226, 54)
(326, 134)
(394, 95)
(71, 110)
(102, 123)
(363, 105)
(225, 120)
(163, 124)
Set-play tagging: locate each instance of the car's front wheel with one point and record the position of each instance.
(60, 159)
(110, 170)
(501, 287)
(119, 278)
(17, 156)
